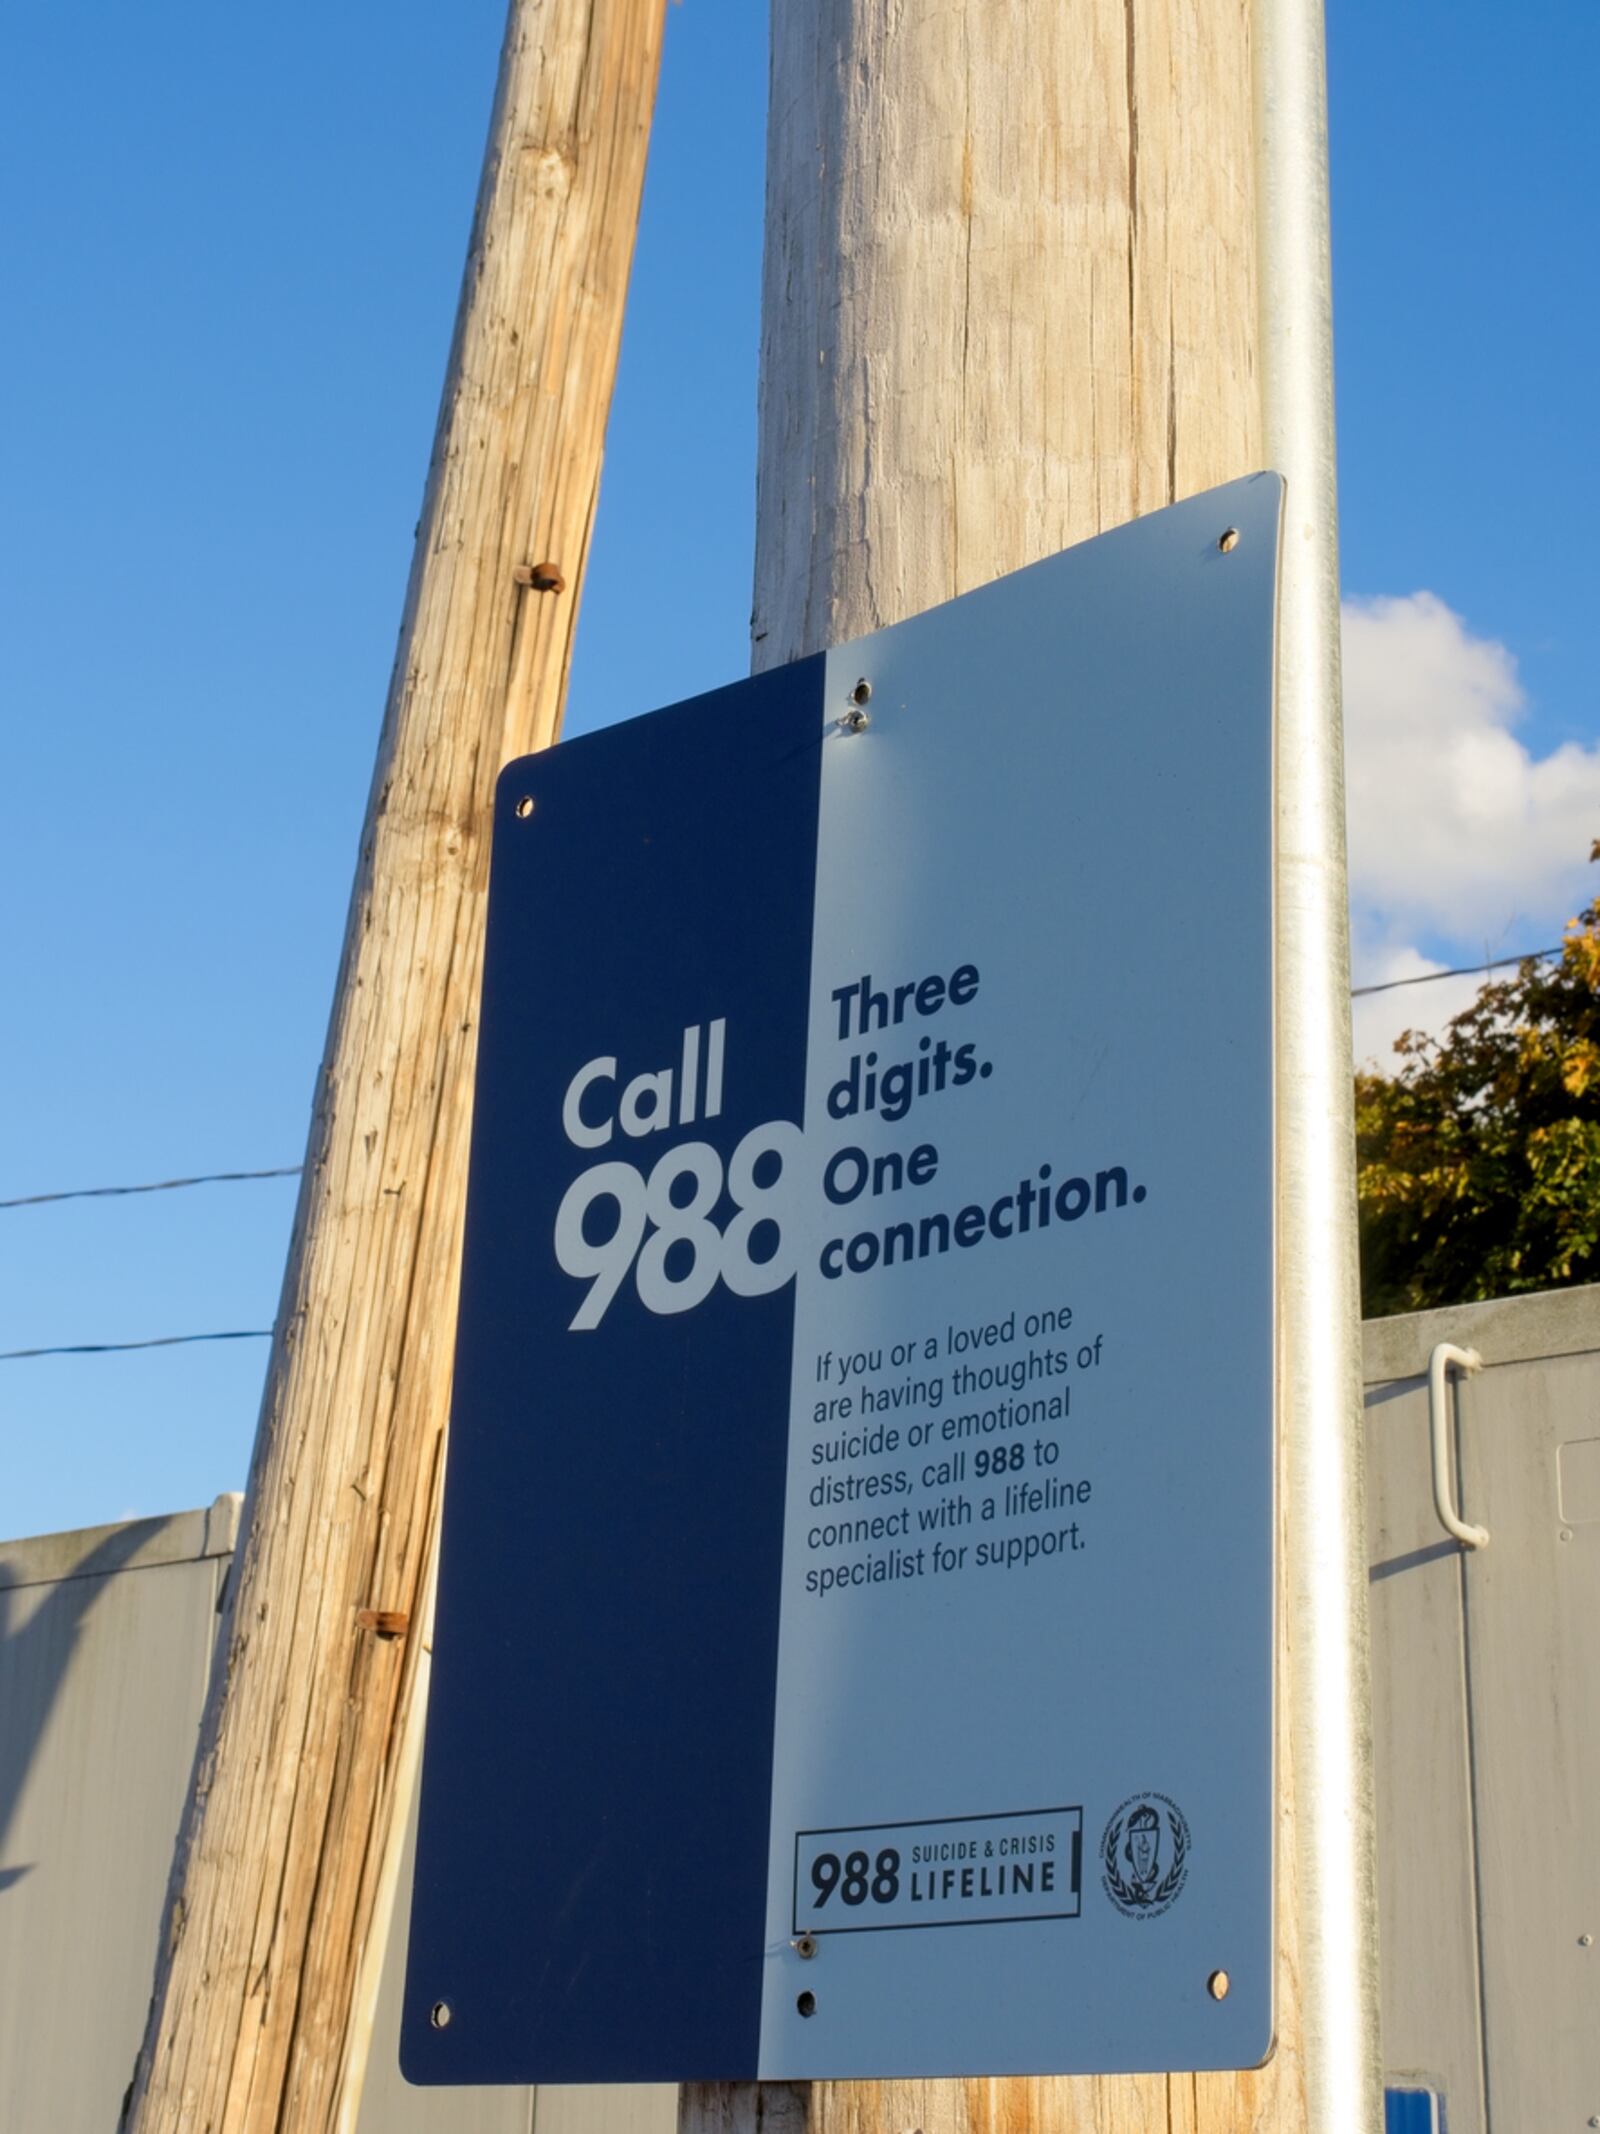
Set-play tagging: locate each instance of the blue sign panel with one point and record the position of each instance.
(854, 1635)
(1412, 2112)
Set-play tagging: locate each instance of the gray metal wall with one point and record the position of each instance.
(1486, 1739)
(1486, 1715)
(105, 1640)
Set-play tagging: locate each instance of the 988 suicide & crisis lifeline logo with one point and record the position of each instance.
(1144, 1855)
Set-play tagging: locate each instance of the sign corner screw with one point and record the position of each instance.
(857, 719)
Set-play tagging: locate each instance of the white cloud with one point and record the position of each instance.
(1458, 833)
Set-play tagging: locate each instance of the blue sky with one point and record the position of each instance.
(231, 251)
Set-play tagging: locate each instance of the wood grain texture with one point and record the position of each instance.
(1009, 302)
(1009, 292)
(294, 1801)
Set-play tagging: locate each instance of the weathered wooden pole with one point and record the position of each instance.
(302, 1760)
(1015, 260)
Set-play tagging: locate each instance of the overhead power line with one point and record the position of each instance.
(292, 1170)
(112, 1348)
(161, 1185)
(1468, 970)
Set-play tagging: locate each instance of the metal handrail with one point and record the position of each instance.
(1468, 1360)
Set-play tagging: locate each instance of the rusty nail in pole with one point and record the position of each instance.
(542, 577)
(386, 1622)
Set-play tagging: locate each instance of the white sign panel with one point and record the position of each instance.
(864, 1409)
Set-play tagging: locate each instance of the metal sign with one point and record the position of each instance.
(855, 1629)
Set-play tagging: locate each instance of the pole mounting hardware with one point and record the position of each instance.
(541, 577)
(383, 1622)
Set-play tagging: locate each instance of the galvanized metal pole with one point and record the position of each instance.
(1319, 1284)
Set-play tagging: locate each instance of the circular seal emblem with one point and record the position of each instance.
(1144, 1856)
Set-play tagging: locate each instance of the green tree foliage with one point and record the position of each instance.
(1479, 1162)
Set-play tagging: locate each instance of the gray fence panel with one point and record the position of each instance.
(1487, 1678)
(1427, 1863)
(105, 1640)
(1533, 1639)
(643, 2108)
(105, 1644)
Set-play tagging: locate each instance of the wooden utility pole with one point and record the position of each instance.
(298, 1795)
(1014, 256)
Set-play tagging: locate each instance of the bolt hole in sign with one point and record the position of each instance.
(855, 1621)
